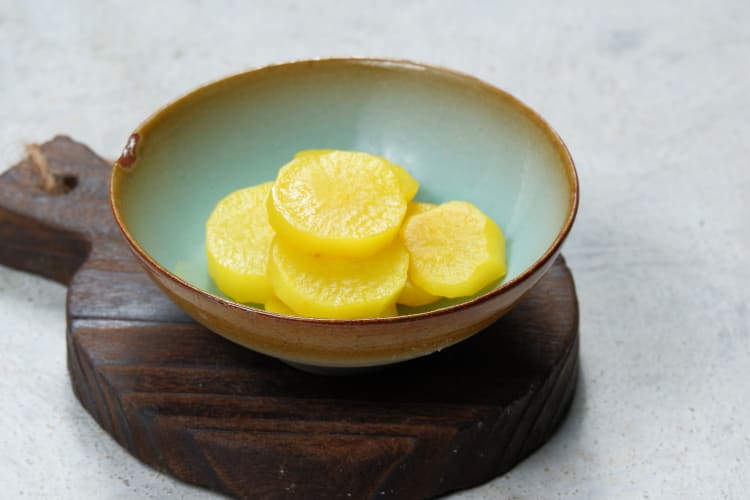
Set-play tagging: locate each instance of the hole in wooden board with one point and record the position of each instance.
(67, 183)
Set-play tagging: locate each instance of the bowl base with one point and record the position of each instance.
(335, 371)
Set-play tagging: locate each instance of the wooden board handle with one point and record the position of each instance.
(69, 235)
(47, 231)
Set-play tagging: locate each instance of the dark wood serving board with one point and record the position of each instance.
(193, 405)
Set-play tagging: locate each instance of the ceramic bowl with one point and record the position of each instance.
(463, 139)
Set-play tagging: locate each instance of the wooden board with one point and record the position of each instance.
(211, 413)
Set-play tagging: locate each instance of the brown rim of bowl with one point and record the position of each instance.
(551, 251)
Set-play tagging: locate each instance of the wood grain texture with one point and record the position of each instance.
(209, 412)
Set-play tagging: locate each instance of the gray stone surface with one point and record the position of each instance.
(653, 100)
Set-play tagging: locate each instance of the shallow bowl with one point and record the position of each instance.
(463, 139)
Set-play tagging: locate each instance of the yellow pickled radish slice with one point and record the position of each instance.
(274, 305)
(238, 238)
(313, 152)
(337, 204)
(389, 312)
(337, 287)
(416, 208)
(414, 296)
(455, 249)
(409, 185)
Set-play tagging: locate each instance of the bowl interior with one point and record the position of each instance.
(462, 139)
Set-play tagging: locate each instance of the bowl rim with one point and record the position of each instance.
(129, 155)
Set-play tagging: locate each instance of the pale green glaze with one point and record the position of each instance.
(462, 139)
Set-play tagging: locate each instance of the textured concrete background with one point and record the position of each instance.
(653, 100)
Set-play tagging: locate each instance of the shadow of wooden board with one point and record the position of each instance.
(204, 410)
